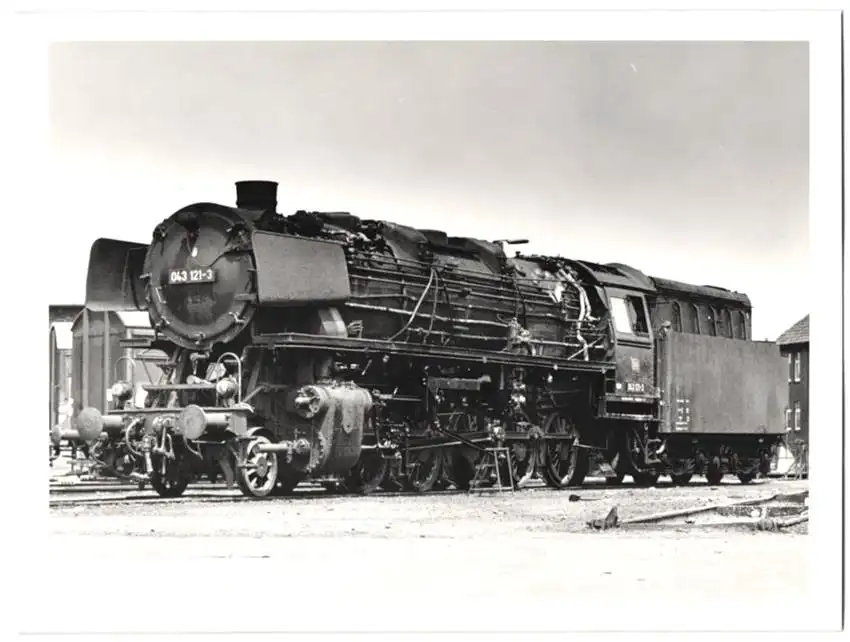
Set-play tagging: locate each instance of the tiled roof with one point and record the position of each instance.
(797, 333)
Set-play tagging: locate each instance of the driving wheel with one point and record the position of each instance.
(425, 467)
(367, 474)
(564, 463)
(522, 459)
(464, 459)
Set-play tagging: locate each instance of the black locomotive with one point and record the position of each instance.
(365, 353)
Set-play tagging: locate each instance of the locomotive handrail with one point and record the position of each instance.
(165, 410)
(136, 342)
(297, 340)
(175, 387)
(238, 374)
(132, 370)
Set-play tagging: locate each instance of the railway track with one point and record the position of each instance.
(771, 513)
(86, 493)
(104, 492)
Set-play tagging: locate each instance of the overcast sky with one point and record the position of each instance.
(686, 160)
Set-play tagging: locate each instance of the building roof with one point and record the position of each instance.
(797, 333)
(135, 319)
(63, 312)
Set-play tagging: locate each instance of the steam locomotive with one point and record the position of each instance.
(363, 353)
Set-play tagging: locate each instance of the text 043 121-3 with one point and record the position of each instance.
(199, 275)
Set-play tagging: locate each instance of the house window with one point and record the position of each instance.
(629, 315)
(677, 317)
(797, 416)
(794, 367)
(789, 420)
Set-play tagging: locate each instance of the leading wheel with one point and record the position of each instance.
(564, 462)
(171, 484)
(258, 477)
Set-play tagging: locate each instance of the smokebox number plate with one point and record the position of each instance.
(179, 277)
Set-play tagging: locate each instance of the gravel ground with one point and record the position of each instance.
(482, 546)
(208, 510)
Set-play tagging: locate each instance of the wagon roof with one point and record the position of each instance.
(707, 291)
(797, 333)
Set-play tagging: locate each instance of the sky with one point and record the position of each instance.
(686, 160)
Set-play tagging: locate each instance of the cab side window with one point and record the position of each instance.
(694, 319)
(724, 323)
(741, 324)
(677, 317)
(709, 320)
(629, 315)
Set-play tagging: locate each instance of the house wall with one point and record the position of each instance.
(798, 392)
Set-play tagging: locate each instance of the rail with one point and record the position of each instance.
(776, 512)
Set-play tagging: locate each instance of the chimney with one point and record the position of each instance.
(256, 195)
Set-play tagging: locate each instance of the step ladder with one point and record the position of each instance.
(800, 466)
(490, 463)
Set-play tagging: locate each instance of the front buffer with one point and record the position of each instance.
(321, 433)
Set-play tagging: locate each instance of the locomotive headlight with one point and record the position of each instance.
(225, 388)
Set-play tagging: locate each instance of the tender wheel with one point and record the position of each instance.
(564, 463)
(681, 479)
(173, 483)
(615, 481)
(746, 478)
(331, 486)
(259, 476)
(367, 474)
(645, 480)
(713, 473)
(425, 469)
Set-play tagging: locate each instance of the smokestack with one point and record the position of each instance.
(256, 195)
